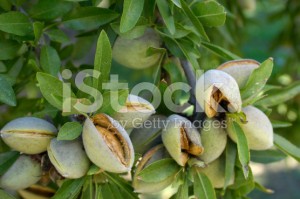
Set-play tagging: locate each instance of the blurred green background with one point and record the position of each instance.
(271, 28)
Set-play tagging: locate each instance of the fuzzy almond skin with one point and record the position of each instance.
(28, 135)
(171, 137)
(69, 158)
(215, 171)
(214, 140)
(22, 174)
(258, 129)
(133, 118)
(240, 70)
(132, 53)
(226, 85)
(98, 151)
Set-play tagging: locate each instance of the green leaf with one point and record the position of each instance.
(287, 147)
(50, 60)
(257, 80)
(38, 30)
(279, 96)
(195, 21)
(93, 170)
(5, 5)
(4, 195)
(267, 156)
(7, 159)
(132, 11)
(210, 13)
(70, 189)
(51, 86)
(167, 16)
(280, 124)
(230, 162)
(242, 146)
(202, 187)
(16, 68)
(7, 94)
(220, 51)
(87, 18)
(102, 62)
(69, 131)
(177, 3)
(183, 191)
(123, 185)
(49, 9)
(15, 23)
(10, 49)
(109, 100)
(58, 35)
(159, 170)
(263, 189)
(241, 185)
(135, 32)
(110, 191)
(88, 189)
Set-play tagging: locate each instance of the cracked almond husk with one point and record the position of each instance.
(216, 92)
(181, 139)
(107, 144)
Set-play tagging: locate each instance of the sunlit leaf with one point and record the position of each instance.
(131, 13)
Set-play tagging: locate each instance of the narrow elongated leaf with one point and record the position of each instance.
(15, 23)
(88, 188)
(102, 62)
(263, 189)
(287, 147)
(51, 86)
(69, 131)
(280, 124)
(159, 170)
(279, 96)
(177, 3)
(167, 16)
(7, 94)
(257, 80)
(10, 49)
(4, 195)
(7, 159)
(123, 185)
(50, 60)
(191, 57)
(242, 146)
(70, 189)
(131, 13)
(38, 30)
(210, 13)
(267, 156)
(203, 187)
(230, 162)
(58, 36)
(220, 51)
(195, 21)
(87, 18)
(49, 9)
(183, 191)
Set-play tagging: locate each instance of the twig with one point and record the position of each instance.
(191, 78)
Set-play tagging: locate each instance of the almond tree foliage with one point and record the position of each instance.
(40, 39)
